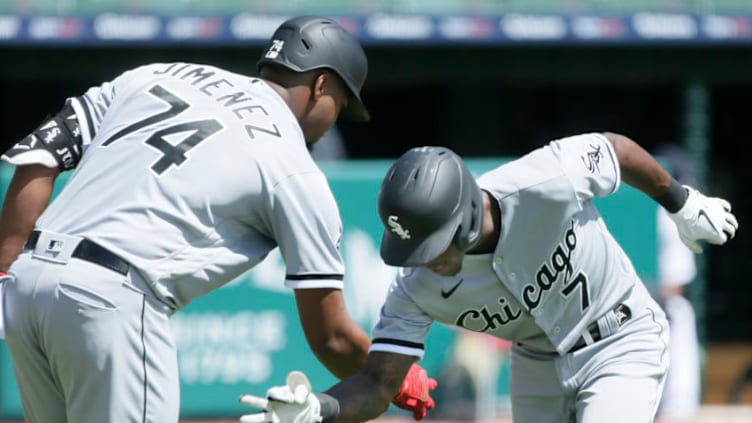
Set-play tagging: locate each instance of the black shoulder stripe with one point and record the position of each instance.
(315, 276)
(397, 342)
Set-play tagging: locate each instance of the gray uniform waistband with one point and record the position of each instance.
(604, 327)
(60, 248)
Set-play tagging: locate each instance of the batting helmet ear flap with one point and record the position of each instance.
(468, 232)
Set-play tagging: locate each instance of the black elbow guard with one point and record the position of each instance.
(56, 142)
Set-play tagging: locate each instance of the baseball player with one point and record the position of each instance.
(676, 270)
(186, 176)
(524, 255)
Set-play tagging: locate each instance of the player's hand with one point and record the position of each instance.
(290, 403)
(704, 219)
(414, 394)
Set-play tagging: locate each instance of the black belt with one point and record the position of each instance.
(91, 252)
(623, 313)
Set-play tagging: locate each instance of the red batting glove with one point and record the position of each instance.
(414, 393)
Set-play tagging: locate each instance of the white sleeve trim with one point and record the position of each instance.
(397, 349)
(315, 283)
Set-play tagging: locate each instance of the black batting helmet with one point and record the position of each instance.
(311, 42)
(428, 200)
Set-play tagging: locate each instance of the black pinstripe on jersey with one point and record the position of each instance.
(337, 277)
(86, 106)
(398, 342)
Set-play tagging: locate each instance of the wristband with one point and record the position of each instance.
(329, 407)
(674, 198)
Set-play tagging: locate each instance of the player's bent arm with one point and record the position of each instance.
(28, 195)
(697, 217)
(339, 343)
(642, 171)
(367, 394)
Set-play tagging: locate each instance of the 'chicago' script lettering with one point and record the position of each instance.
(548, 274)
(484, 320)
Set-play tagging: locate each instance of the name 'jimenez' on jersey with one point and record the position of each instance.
(210, 166)
(555, 269)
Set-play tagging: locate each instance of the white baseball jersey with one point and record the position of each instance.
(193, 174)
(555, 270)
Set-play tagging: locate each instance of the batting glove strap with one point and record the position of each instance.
(674, 197)
(329, 407)
(704, 219)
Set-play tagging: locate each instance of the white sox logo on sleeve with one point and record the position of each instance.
(592, 158)
(548, 274)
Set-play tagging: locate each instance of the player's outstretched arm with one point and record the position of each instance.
(367, 394)
(29, 193)
(697, 217)
(341, 346)
(361, 397)
(339, 343)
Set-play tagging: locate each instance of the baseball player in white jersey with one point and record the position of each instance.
(186, 175)
(676, 270)
(524, 255)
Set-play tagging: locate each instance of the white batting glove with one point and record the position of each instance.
(704, 219)
(290, 403)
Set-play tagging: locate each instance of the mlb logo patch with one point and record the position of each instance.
(55, 246)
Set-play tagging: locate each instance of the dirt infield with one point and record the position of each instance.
(707, 414)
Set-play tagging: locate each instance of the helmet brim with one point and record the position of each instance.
(396, 251)
(355, 110)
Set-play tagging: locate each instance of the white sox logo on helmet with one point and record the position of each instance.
(397, 228)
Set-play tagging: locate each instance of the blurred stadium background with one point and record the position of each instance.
(488, 78)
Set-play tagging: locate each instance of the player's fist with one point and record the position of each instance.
(414, 394)
(704, 219)
(290, 403)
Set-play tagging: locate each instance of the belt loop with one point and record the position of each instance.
(604, 327)
(610, 322)
(32, 241)
(587, 337)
